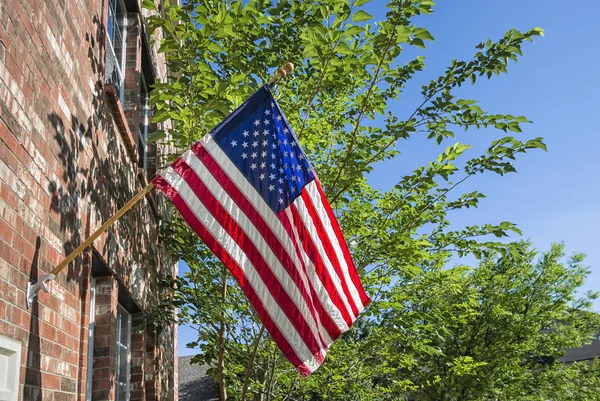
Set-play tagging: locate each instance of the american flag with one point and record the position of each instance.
(248, 190)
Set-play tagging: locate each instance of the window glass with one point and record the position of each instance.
(115, 49)
(144, 121)
(123, 353)
(90, 361)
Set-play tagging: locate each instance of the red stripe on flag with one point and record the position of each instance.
(328, 247)
(338, 232)
(276, 289)
(313, 253)
(255, 217)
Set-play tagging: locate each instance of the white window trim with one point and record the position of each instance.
(90, 355)
(10, 352)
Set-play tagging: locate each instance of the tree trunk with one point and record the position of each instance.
(251, 362)
(221, 362)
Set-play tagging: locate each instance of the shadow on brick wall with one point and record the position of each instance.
(32, 391)
(75, 192)
(77, 180)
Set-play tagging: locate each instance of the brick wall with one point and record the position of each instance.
(105, 347)
(66, 165)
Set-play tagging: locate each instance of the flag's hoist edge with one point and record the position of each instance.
(293, 264)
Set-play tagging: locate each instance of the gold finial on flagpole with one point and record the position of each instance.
(281, 73)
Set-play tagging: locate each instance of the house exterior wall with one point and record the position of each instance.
(68, 161)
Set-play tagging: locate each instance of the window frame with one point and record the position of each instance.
(120, 60)
(122, 311)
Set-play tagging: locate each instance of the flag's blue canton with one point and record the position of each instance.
(259, 140)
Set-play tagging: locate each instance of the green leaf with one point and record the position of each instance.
(156, 136)
(461, 102)
(361, 16)
(161, 116)
(228, 29)
(359, 3)
(418, 42)
(538, 31)
(149, 5)
(354, 30)
(238, 78)
(343, 48)
(214, 47)
(423, 33)
(168, 45)
(403, 34)
(461, 147)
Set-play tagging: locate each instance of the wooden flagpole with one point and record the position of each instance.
(102, 228)
(33, 289)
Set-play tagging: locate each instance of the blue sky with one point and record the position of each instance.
(555, 195)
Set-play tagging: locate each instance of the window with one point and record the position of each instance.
(123, 353)
(90, 357)
(115, 49)
(10, 363)
(144, 121)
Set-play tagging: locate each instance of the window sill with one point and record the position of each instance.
(127, 136)
(119, 114)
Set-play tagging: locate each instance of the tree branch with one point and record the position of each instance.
(350, 146)
(251, 361)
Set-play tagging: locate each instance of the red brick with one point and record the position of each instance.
(11, 142)
(70, 328)
(9, 197)
(19, 280)
(6, 232)
(70, 356)
(8, 292)
(48, 332)
(7, 329)
(50, 381)
(3, 307)
(9, 254)
(14, 315)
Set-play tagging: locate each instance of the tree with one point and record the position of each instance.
(577, 382)
(494, 332)
(349, 69)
